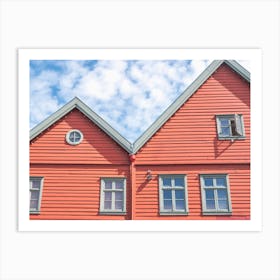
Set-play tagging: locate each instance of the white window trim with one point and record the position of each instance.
(175, 212)
(239, 125)
(206, 211)
(102, 200)
(68, 137)
(40, 193)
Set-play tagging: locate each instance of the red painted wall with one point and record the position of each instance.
(147, 192)
(73, 191)
(96, 148)
(187, 144)
(72, 173)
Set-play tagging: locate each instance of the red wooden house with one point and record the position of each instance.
(192, 163)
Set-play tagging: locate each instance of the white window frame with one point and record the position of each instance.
(68, 137)
(239, 126)
(215, 211)
(173, 188)
(40, 190)
(113, 190)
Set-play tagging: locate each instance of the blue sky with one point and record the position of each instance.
(128, 94)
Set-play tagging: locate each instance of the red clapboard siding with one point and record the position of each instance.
(96, 148)
(190, 135)
(73, 191)
(147, 192)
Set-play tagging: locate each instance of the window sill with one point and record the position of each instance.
(232, 138)
(34, 212)
(174, 213)
(112, 213)
(217, 213)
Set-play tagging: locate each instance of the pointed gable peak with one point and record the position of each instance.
(193, 87)
(83, 108)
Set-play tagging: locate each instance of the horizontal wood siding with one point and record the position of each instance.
(190, 135)
(73, 191)
(147, 192)
(96, 148)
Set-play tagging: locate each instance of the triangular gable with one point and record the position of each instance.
(82, 107)
(165, 116)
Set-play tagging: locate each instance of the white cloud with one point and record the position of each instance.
(129, 95)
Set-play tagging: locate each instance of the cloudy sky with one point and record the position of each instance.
(128, 94)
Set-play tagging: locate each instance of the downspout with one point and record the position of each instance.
(132, 158)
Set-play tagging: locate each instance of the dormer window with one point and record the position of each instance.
(74, 137)
(230, 126)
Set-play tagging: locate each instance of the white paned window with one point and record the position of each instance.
(173, 194)
(215, 194)
(74, 137)
(35, 193)
(230, 126)
(113, 195)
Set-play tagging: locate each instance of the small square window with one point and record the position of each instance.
(113, 196)
(35, 192)
(215, 195)
(230, 126)
(172, 195)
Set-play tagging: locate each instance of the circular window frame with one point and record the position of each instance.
(68, 137)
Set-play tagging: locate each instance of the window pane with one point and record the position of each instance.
(180, 204)
(35, 195)
(222, 193)
(208, 182)
(167, 204)
(167, 194)
(179, 182)
(179, 194)
(166, 182)
(225, 131)
(108, 185)
(34, 204)
(210, 204)
(221, 182)
(224, 122)
(119, 185)
(118, 205)
(223, 204)
(107, 205)
(107, 196)
(233, 127)
(77, 136)
(209, 194)
(35, 184)
(118, 195)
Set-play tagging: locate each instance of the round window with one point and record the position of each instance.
(74, 137)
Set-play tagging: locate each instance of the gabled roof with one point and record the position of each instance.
(82, 107)
(144, 138)
(141, 141)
